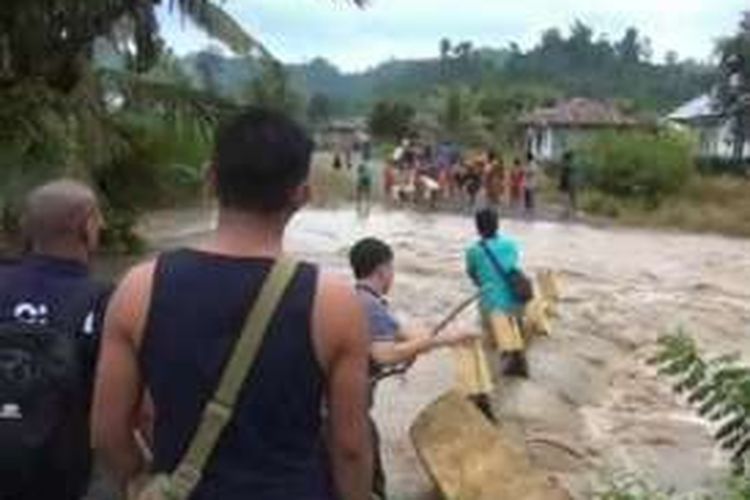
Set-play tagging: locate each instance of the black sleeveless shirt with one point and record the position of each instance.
(272, 449)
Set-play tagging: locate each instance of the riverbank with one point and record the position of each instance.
(719, 205)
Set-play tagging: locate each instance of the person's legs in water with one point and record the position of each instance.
(378, 476)
(513, 362)
(506, 334)
(483, 403)
(529, 201)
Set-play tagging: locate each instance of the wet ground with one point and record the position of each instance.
(590, 387)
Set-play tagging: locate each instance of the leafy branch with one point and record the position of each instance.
(719, 389)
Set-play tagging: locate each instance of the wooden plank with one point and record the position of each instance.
(470, 459)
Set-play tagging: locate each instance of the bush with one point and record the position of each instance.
(629, 487)
(719, 389)
(601, 204)
(162, 167)
(638, 165)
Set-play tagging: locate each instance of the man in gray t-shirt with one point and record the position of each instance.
(391, 344)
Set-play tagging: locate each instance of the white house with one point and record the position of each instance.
(714, 131)
(551, 131)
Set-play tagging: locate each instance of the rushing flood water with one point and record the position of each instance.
(590, 386)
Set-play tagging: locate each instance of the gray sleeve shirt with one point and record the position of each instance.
(382, 325)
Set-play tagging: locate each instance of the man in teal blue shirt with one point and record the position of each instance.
(488, 263)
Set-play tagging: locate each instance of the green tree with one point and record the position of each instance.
(319, 109)
(458, 115)
(391, 119)
(734, 83)
(671, 58)
(629, 50)
(446, 49)
(273, 89)
(60, 113)
(208, 67)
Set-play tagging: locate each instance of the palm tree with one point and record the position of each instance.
(734, 84)
(59, 112)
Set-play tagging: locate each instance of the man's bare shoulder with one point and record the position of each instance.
(128, 307)
(339, 320)
(333, 286)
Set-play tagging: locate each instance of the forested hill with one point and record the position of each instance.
(579, 62)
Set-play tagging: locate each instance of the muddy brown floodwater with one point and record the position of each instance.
(590, 387)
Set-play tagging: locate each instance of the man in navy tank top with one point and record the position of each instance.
(173, 322)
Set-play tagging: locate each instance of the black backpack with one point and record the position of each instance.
(521, 285)
(43, 394)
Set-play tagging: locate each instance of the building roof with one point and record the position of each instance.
(699, 108)
(580, 112)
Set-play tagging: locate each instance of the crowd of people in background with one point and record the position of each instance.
(420, 173)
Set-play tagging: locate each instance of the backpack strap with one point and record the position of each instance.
(218, 412)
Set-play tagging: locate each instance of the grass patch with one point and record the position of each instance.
(706, 205)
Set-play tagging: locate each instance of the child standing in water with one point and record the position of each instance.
(364, 187)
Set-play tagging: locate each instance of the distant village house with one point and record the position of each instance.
(716, 139)
(343, 135)
(551, 131)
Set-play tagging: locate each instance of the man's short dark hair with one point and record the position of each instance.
(367, 255)
(260, 157)
(487, 222)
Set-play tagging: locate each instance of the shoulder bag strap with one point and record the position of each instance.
(218, 412)
(494, 260)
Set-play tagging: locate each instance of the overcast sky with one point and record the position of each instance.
(354, 39)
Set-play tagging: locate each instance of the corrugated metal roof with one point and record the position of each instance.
(695, 109)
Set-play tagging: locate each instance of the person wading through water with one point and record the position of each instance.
(491, 263)
(173, 325)
(494, 180)
(391, 344)
(568, 185)
(51, 313)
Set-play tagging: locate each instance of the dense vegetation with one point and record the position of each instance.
(637, 165)
(734, 82)
(133, 125)
(578, 63)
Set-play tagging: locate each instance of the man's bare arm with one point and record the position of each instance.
(412, 343)
(401, 351)
(341, 335)
(118, 390)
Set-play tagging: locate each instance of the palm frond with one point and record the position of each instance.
(218, 24)
(718, 388)
(174, 102)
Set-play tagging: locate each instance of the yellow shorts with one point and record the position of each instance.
(503, 332)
